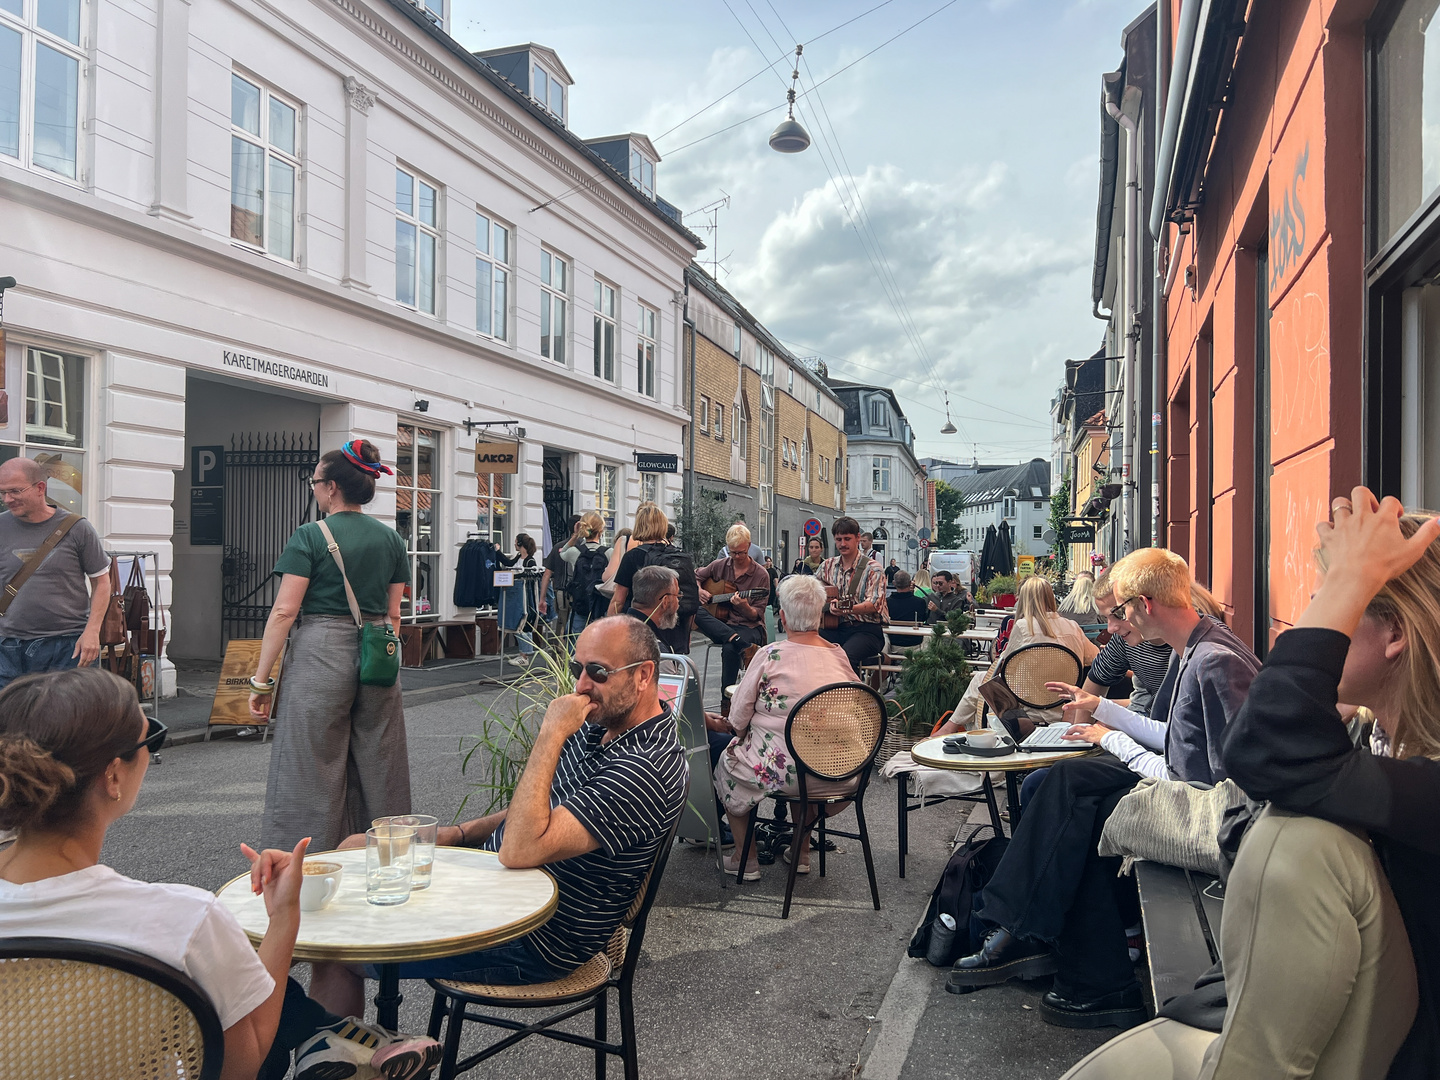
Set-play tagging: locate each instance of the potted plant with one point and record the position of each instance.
(1001, 589)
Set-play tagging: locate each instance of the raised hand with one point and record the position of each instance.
(277, 875)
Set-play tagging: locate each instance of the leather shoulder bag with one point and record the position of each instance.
(379, 644)
(31, 564)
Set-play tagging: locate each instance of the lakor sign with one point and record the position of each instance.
(497, 457)
(663, 463)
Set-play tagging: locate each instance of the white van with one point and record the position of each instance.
(960, 563)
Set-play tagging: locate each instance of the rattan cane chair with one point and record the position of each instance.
(77, 1008)
(833, 734)
(585, 989)
(1029, 668)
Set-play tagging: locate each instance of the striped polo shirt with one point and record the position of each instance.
(1147, 660)
(627, 794)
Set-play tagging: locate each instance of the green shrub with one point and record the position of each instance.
(1001, 585)
(932, 681)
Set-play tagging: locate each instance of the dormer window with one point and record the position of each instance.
(548, 92)
(434, 10)
(642, 173)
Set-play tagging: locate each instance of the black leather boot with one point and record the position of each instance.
(1003, 957)
(1122, 1009)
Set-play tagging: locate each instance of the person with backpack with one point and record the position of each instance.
(587, 559)
(739, 622)
(651, 547)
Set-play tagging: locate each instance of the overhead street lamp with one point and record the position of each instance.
(790, 137)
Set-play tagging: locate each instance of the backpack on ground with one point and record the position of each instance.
(589, 571)
(970, 867)
(684, 566)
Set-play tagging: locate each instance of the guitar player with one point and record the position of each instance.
(740, 623)
(860, 606)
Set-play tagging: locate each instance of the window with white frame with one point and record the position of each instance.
(264, 167)
(419, 515)
(804, 463)
(548, 92)
(741, 417)
(607, 495)
(417, 241)
(719, 422)
(650, 487)
(880, 474)
(42, 64)
(1009, 507)
(1039, 532)
(554, 294)
(879, 413)
(492, 278)
(642, 173)
(735, 346)
(784, 452)
(54, 422)
(647, 344)
(492, 508)
(704, 414)
(604, 331)
(790, 379)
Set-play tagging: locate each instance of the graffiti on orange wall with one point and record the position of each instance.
(1287, 224)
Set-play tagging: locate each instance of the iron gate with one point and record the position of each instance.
(267, 497)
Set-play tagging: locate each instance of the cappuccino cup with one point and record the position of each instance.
(982, 738)
(321, 883)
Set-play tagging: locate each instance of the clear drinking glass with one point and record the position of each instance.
(425, 828)
(389, 864)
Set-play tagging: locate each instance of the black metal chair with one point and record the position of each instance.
(833, 734)
(78, 1008)
(585, 989)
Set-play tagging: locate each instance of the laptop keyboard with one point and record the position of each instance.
(1050, 736)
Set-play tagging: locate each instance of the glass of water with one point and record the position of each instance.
(425, 828)
(389, 864)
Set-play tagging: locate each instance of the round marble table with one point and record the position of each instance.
(931, 752)
(473, 903)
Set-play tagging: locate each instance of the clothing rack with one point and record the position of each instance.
(157, 617)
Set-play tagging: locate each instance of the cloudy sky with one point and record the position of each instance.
(938, 237)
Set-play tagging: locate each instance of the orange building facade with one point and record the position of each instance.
(1301, 237)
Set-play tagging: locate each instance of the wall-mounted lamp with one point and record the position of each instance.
(422, 405)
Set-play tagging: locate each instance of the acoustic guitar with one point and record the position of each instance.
(829, 620)
(723, 592)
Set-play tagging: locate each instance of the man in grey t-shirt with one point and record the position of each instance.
(53, 621)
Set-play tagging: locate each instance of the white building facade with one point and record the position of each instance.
(885, 490)
(1014, 495)
(265, 228)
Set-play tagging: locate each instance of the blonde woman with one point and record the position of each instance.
(1080, 601)
(1331, 939)
(588, 562)
(651, 525)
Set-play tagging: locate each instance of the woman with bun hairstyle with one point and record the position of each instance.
(339, 745)
(74, 749)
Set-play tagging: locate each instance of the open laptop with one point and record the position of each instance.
(1046, 738)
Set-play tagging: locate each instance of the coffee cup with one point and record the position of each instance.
(321, 883)
(983, 738)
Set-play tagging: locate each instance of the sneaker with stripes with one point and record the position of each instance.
(355, 1050)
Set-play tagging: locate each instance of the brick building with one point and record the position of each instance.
(768, 433)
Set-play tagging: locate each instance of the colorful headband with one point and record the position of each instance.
(374, 468)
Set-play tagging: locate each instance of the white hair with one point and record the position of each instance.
(802, 600)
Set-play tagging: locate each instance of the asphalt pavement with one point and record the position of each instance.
(724, 985)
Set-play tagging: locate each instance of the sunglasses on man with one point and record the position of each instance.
(599, 673)
(155, 733)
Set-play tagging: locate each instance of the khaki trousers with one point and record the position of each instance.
(1318, 969)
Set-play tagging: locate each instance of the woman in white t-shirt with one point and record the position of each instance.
(74, 749)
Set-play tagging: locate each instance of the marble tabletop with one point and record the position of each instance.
(473, 903)
(931, 752)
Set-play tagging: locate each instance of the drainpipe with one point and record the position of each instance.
(1174, 103)
(1160, 310)
(690, 427)
(1130, 309)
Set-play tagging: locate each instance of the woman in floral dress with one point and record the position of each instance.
(757, 761)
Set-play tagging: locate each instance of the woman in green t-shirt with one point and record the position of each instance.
(339, 745)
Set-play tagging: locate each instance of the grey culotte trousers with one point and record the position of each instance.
(339, 757)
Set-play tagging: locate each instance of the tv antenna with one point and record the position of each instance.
(713, 228)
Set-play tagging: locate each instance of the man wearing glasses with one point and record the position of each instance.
(49, 620)
(604, 784)
(1052, 905)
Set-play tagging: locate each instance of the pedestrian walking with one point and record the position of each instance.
(814, 556)
(333, 733)
(49, 621)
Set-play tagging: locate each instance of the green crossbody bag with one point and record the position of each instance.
(379, 645)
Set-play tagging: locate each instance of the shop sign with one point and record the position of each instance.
(207, 496)
(497, 457)
(658, 463)
(264, 366)
(1024, 567)
(1077, 534)
(232, 692)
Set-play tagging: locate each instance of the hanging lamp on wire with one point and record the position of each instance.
(949, 428)
(790, 137)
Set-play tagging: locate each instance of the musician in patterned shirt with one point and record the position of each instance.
(859, 632)
(740, 623)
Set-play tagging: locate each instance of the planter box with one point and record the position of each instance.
(1005, 600)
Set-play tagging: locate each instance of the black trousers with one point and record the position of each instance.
(1052, 887)
(300, 1017)
(861, 641)
(721, 633)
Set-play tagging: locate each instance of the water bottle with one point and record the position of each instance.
(942, 940)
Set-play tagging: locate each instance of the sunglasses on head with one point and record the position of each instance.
(599, 673)
(155, 733)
